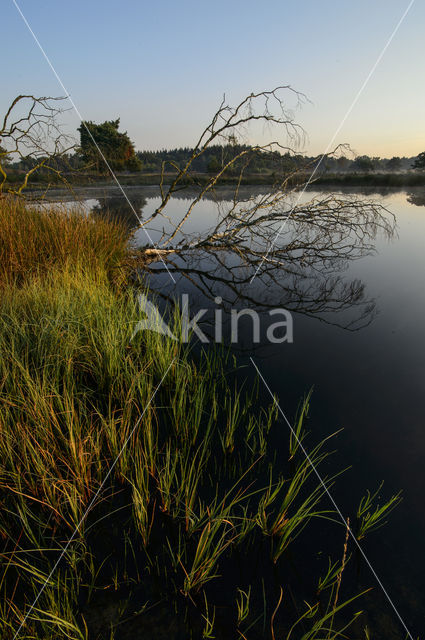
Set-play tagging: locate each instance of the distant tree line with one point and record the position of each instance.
(265, 162)
(217, 156)
(104, 141)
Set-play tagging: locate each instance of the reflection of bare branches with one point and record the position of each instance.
(308, 292)
(31, 133)
(304, 273)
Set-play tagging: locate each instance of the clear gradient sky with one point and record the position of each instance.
(163, 66)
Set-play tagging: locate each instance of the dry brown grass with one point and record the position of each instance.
(34, 240)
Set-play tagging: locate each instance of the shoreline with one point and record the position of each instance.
(398, 180)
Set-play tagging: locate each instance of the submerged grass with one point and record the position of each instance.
(196, 520)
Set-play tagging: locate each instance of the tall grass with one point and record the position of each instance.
(195, 506)
(33, 241)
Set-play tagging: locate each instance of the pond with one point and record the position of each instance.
(360, 345)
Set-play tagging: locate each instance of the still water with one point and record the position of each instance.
(368, 381)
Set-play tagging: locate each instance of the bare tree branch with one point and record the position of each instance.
(31, 133)
(317, 232)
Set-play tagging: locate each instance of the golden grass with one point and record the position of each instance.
(33, 241)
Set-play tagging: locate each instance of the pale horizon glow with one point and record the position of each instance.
(163, 69)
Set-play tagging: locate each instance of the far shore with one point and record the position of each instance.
(372, 179)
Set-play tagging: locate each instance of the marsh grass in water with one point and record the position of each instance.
(191, 535)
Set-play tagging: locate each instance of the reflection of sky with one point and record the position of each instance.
(371, 383)
(163, 67)
(390, 348)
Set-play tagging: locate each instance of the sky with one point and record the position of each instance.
(163, 67)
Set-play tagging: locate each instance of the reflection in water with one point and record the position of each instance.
(117, 208)
(303, 273)
(369, 382)
(417, 197)
(222, 274)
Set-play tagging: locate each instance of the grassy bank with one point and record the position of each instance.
(181, 498)
(35, 243)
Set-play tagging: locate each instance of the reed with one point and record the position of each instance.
(33, 240)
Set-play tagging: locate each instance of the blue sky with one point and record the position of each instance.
(163, 68)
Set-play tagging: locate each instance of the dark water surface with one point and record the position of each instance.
(370, 382)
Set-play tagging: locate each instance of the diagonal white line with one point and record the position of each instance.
(331, 142)
(92, 502)
(326, 490)
(90, 134)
